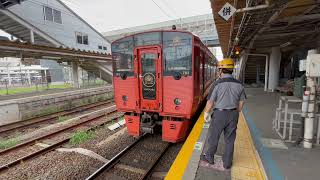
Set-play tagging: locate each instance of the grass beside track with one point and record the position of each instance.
(80, 137)
(62, 118)
(20, 90)
(8, 143)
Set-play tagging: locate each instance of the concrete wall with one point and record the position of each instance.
(9, 113)
(25, 108)
(33, 13)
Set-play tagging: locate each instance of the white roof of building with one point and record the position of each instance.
(201, 25)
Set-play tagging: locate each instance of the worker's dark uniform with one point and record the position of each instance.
(226, 94)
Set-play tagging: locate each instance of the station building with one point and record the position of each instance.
(53, 23)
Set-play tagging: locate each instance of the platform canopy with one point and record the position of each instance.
(27, 50)
(8, 3)
(261, 24)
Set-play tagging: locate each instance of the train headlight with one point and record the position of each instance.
(124, 98)
(177, 101)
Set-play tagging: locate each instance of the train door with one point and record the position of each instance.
(149, 78)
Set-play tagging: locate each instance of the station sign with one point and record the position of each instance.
(227, 11)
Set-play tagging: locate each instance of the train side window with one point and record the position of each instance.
(206, 71)
(177, 53)
(122, 54)
(208, 67)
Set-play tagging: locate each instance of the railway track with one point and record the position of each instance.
(8, 129)
(85, 120)
(124, 156)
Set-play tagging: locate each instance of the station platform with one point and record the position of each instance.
(259, 152)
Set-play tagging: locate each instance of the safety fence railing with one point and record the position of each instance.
(287, 121)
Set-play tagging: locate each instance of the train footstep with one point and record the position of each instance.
(85, 152)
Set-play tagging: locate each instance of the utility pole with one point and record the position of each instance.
(20, 73)
(8, 73)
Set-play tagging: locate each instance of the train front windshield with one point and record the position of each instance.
(177, 52)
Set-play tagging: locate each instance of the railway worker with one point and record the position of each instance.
(226, 101)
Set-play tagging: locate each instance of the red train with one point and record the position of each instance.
(160, 80)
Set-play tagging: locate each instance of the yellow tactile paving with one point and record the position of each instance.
(246, 162)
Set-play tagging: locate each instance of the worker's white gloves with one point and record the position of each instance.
(207, 117)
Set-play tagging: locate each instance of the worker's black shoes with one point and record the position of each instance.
(218, 165)
(207, 159)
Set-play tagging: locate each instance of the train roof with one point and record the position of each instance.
(150, 31)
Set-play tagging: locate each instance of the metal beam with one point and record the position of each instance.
(272, 18)
(300, 33)
(21, 32)
(9, 28)
(295, 19)
(6, 21)
(264, 6)
(8, 3)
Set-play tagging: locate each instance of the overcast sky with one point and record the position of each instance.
(106, 15)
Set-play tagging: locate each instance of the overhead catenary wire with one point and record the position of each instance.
(173, 10)
(163, 11)
(177, 16)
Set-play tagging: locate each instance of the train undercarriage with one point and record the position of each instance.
(172, 129)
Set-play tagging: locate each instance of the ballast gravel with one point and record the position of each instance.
(70, 165)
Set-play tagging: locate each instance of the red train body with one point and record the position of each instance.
(160, 80)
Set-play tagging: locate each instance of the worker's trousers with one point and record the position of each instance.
(226, 122)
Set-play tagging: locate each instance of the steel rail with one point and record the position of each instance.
(49, 148)
(149, 171)
(30, 122)
(107, 166)
(114, 160)
(32, 141)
